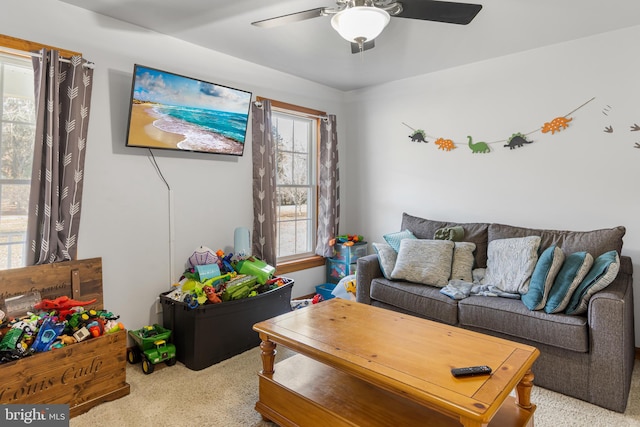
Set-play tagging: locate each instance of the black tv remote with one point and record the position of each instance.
(470, 371)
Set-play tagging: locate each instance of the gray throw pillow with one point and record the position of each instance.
(386, 257)
(510, 263)
(462, 265)
(475, 232)
(424, 261)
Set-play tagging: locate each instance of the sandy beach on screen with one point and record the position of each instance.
(143, 133)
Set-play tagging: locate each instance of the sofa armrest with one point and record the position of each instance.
(611, 330)
(367, 270)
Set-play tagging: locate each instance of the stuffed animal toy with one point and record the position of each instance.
(202, 256)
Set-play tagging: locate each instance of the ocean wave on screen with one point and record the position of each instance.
(227, 124)
(197, 138)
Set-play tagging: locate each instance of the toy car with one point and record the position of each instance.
(14, 344)
(152, 347)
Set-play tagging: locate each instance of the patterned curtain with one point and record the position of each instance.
(63, 96)
(329, 187)
(264, 184)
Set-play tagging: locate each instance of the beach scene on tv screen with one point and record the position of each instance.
(181, 113)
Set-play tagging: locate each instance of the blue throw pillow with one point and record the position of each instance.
(547, 267)
(394, 239)
(573, 271)
(604, 271)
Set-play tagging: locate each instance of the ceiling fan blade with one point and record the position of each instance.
(292, 17)
(365, 46)
(439, 11)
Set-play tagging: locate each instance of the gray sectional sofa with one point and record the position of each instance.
(589, 356)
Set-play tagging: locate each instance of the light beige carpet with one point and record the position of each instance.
(224, 395)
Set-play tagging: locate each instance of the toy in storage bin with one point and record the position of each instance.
(349, 254)
(336, 270)
(343, 261)
(211, 333)
(256, 267)
(325, 290)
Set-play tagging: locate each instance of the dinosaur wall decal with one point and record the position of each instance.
(517, 140)
(478, 147)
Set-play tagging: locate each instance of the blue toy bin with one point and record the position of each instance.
(325, 290)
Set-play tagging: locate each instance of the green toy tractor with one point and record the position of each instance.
(152, 347)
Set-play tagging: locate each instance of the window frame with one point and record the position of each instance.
(15, 240)
(310, 261)
(21, 48)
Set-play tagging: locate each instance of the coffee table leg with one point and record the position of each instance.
(268, 354)
(524, 390)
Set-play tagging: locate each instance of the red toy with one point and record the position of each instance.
(62, 305)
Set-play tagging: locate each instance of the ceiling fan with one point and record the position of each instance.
(361, 21)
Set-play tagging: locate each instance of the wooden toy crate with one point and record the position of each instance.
(81, 375)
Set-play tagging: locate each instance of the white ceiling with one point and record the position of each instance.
(313, 50)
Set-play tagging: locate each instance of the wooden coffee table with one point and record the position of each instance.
(367, 366)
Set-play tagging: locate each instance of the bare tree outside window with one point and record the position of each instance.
(17, 133)
(296, 142)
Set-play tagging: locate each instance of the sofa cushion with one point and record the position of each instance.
(424, 261)
(462, 265)
(510, 263)
(512, 318)
(574, 269)
(394, 239)
(473, 232)
(386, 257)
(544, 273)
(421, 300)
(596, 242)
(605, 268)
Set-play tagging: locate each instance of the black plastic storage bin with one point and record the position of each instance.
(214, 332)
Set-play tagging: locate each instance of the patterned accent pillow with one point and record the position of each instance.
(510, 263)
(544, 274)
(573, 271)
(424, 261)
(604, 271)
(394, 239)
(455, 233)
(462, 265)
(386, 257)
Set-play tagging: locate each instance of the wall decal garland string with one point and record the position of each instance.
(516, 140)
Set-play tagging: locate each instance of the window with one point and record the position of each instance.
(296, 134)
(17, 134)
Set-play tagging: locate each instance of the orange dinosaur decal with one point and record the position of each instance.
(556, 124)
(445, 144)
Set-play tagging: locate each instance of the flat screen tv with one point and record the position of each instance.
(174, 112)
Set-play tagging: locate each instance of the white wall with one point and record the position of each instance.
(578, 179)
(125, 211)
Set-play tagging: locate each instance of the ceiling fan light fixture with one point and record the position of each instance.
(360, 23)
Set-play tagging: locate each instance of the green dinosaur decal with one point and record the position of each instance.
(478, 147)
